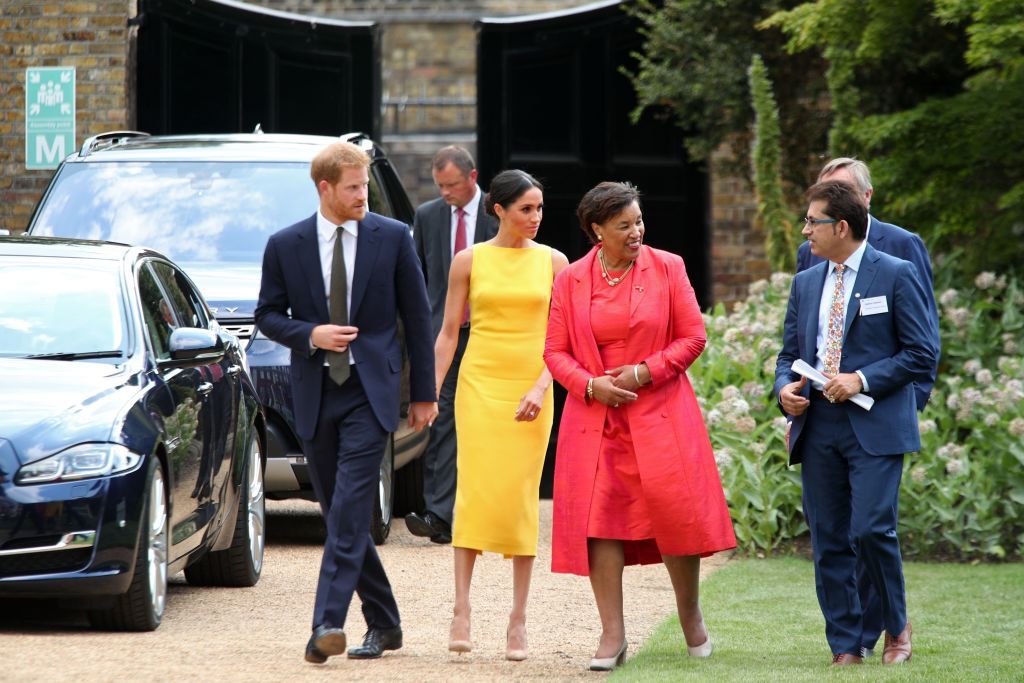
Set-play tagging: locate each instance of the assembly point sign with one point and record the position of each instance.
(49, 115)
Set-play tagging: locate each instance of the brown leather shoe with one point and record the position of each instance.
(897, 650)
(846, 659)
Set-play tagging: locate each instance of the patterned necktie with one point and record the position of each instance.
(338, 361)
(460, 244)
(834, 338)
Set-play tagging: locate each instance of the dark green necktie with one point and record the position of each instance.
(338, 362)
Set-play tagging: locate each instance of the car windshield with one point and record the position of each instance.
(211, 212)
(61, 308)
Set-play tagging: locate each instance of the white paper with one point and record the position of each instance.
(800, 367)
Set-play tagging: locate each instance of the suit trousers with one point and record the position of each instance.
(439, 460)
(344, 459)
(851, 501)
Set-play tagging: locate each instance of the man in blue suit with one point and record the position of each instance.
(862, 318)
(890, 239)
(333, 287)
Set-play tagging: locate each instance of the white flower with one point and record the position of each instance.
(731, 335)
(959, 316)
(758, 448)
(991, 419)
(918, 474)
(758, 288)
(954, 466)
(714, 416)
(745, 424)
(1010, 347)
(983, 377)
(780, 423)
(953, 401)
(769, 367)
(767, 345)
(745, 356)
(985, 280)
(730, 392)
(1016, 427)
(926, 426)
(723, 458)
(754, 389)
(780, 281)
(972, 366)
(948, 297)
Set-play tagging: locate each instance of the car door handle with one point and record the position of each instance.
(234, 369)
(205, 388)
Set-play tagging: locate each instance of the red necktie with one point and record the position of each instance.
(460, 244)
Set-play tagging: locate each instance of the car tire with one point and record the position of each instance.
(409, 488)
(241, 563)
(141, 608)
(383, 505)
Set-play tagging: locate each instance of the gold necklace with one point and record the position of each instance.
(612, 281)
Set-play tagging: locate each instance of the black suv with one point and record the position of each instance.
(210, 202)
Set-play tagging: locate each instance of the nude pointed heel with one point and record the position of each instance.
(703, 650)
(515, 654)
(458, 644)
(609, 663)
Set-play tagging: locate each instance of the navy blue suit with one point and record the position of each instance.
(853, 458)
(892, 239)
(345, 428)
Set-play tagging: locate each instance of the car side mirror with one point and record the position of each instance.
(193, 346)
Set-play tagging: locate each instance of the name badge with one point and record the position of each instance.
(874, 305)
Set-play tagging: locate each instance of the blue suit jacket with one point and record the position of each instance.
(892, 349)
(892, 239)
(386, 283)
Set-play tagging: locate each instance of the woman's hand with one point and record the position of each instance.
(606, 391)
(530, 405)
(630, 377)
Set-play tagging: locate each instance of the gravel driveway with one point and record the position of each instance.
(258, 634)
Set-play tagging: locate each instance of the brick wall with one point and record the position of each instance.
(91, 35)
(737, 243)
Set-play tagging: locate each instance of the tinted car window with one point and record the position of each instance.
(52, 305)
(188, 306)
(211, 212)
(157, 312)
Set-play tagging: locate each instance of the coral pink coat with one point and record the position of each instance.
(682, 490)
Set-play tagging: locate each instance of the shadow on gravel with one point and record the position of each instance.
(291, 527)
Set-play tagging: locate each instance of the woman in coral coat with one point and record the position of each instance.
(635, 477)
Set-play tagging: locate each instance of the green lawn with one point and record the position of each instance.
(764, 619)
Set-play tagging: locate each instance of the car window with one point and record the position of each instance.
(59, 306)
(188, 306)
(190, 211)
(157, 312)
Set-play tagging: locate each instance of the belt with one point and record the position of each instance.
(817, 395)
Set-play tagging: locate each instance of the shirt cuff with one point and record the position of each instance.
(863, 381)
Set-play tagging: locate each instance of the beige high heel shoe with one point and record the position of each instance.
(458, 644)
(515, 654)
(703, 650)
(609, 663)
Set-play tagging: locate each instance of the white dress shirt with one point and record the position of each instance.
(326, 233)
(471, 209)
(849, 280)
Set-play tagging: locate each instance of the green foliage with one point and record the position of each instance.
(694, 63)
(962, 495)
(766, 625)
(928, 92)
(772, 211)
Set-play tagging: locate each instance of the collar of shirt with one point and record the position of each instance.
(471, 207)
(852, 263)
(326, 230)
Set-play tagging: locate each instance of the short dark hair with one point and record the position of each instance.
(605, 200)
(842, 202)
(453, 154)
(507, 187)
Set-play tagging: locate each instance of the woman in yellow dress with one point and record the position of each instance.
(503, 407)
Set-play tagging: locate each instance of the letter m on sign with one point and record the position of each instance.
(47, 155)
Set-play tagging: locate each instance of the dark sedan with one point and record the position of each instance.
(131, 438)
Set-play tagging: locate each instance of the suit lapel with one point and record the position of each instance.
(868, 270)
(636, 296)
(581, 297)
(813, 290)
(367, 248)
(309, 260)
(444, 221)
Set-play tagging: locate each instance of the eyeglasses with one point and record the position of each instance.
(811, 222)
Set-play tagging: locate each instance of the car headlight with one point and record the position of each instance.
(79, 462)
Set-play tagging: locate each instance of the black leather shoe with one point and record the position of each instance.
(325, 642)
(429, 525)
(376, 641)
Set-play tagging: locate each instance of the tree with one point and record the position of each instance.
(772, 211)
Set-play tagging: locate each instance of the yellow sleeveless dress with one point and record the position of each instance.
(500, 460)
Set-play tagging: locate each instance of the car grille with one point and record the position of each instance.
(240, 330)
(44, 563)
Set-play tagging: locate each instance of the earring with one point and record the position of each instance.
(599, 238)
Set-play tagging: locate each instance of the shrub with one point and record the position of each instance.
(962, 495)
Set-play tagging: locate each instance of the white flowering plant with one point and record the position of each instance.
(962, 495)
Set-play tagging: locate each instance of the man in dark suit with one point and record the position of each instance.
(861, 317)
(442, 227)
(890, 239)
(333, 286)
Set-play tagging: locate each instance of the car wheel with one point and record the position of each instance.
(383, 508)
(241, 563)
(141, 608)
